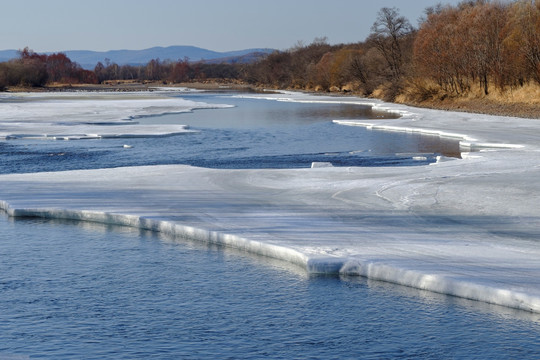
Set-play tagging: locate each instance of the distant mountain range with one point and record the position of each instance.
(88, 59)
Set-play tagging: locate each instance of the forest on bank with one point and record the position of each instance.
(476, 47)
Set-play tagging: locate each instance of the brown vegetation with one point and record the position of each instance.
(480, 55)
(477, 56)
(32, 69)
(480, 43)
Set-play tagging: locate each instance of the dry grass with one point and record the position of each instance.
(523, 101)
(528, 94)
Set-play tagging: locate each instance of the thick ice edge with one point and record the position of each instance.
(165, 227)
(468, 227)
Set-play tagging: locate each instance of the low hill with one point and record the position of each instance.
(88, 59)
(6, 55)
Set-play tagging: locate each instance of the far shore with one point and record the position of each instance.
(479, 106)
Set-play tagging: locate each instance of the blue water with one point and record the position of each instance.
(76, 290)
(73, 290)
(254, 134)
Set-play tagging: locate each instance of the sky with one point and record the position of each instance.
(219, 25)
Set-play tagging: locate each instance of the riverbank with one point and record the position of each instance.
(482, 106)
(129, 86)
(520, 102)
(524, 103)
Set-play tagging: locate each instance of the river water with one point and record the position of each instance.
(75, 290)
(71, 290)
(256, 133)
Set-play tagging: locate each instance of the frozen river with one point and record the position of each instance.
(391, 208)
(228, 132)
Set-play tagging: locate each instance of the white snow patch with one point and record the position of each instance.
(69, 116)
(179, 89)
(320, 164)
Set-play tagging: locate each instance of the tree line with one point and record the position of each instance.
(168, 71)
(477, 45)
(32, 69)
(473, 46)
(480, 43)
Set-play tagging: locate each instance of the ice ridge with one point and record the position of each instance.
(313, 265)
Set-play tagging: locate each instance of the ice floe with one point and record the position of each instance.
(467, 227)
(77, 115)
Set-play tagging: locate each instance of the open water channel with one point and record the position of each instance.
(89, 291)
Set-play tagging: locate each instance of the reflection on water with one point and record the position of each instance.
(255, 113)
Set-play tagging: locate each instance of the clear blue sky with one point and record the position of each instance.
(220, 25)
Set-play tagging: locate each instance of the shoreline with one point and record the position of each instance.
(482, 106)
(465, 105)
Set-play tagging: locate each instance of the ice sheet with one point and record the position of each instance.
(82, 115)
(467, 227)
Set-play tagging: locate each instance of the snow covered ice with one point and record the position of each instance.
(71, 116)
(467, 227)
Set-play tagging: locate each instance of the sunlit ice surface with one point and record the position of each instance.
(465, 227)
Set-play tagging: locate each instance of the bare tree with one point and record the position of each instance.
(387, 33)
